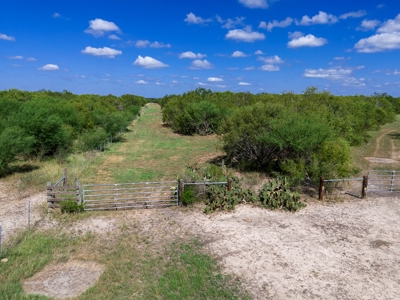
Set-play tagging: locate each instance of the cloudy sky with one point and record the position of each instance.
(157, 47)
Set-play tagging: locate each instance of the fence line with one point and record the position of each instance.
(130, 195)
(343, 186)
(384, 180)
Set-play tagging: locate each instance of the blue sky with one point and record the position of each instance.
(158, 47)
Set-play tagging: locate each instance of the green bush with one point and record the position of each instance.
(92, 139)
(14, 144)
(70, 206)
(189, 195)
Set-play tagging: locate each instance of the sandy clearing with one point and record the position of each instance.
(347, 250)
(64, 280)
(14, 210)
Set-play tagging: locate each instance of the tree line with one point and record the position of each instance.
(304, 135)
(44, 123)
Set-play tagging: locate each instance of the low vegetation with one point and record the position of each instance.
(301, 136)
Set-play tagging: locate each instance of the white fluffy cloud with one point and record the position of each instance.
(244, 83)
(379, 42)
(105, 51)
(254, 3)
(246, 35)
(248, 68)
(353, 14)
(258, 52)
(332, 74)
(269, 68)
(390, 26)
(142, 43)
(306, 41)
(282, 24)
(272, 59)
(387, 38)
(159, 45)
(368, 25)
(98, 27)
(141, 82)
(31, 59)
(49, 67)
(149, 63)
(192, 19)
(270, 63)
(113, 37)
(337, 74)
(321, 18)
(191, 55)
(214, 79)
(238, 54)
(230, 23)
(6, 37)
(145, 43)
(201, 64)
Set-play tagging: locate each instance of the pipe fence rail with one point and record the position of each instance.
(384, 181)
(129, 195)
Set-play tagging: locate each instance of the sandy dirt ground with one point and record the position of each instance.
(347, 250)
(64, 280)
(14, 210)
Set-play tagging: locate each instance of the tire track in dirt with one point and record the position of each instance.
(378, 141)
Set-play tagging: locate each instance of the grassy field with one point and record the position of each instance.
(152, 152)
(163, 262)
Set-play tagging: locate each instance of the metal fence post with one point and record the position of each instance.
(321, 188)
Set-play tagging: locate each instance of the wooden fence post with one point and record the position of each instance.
(364, 187)
(79, 191)
(181, 187)
(65, 177)
(49, 190)
(230, 184)
(321, 188)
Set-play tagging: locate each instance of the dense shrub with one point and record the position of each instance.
(14, 143)
(46, 123)
(299, 135)
(70, 206)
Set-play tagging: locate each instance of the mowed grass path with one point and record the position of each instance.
(152, 152)
(384, 143)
